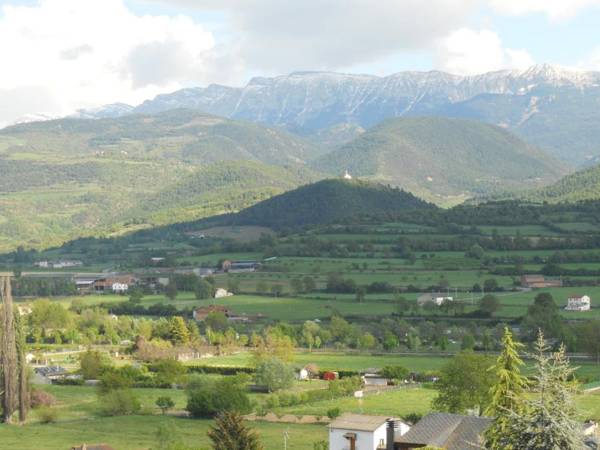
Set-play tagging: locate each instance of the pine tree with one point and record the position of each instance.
(230, 433)
(549, 421)
(507, 393)
(179, 331)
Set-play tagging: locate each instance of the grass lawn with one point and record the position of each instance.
(339, 361)
(138, 432)
(391, 403)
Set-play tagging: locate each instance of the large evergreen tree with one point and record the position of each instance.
(8, 353)
(230, 433)
(549, 420)
(507, 393)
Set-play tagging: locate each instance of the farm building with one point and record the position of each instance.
(443, 430)
(436, 298)
(539, 282)
(578, 303)
(220, 293)
(202, 313)
(374, 379)
(361, 432)
(240, 266)
(108, 284)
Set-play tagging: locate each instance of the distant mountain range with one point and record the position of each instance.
(551, 107)
(206, 151)
(443, 160)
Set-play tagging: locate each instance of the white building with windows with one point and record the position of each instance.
(119, 288)
(361, 432)
(436, 298)
(579, 303)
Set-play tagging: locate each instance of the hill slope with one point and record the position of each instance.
(68, 178)
(443, 160)
(549, 106)
(328, 201)
(581, 185)
(182, 135)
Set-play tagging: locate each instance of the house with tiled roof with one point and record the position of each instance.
(447, 431)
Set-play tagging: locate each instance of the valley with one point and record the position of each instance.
(339, 293)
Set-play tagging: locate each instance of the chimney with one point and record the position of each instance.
(352, 438)
(390, 433)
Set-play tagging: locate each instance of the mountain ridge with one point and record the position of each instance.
(534, 103)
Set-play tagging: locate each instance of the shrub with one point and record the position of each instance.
(114, 380)
(395, 372)
(413, 417)
(46, 414)
(333, 413)
(92, 364)
(39, 399)
(274, 374)
(119, 402)
(165, 403)
(168, 371)
(206, 397)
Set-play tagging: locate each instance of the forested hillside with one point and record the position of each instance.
(329, 201)
(443, 160)
(582, 185)
(90, 177)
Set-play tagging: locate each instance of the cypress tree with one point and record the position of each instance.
(8, 353)
(23, 390)
(507, 393)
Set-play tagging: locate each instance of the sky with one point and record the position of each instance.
(61, 55)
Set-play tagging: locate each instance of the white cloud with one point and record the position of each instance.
(591, 61)
(67, 54)
(284, 35)
(554, 9)
(469, 52)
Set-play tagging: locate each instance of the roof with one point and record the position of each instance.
(450, 431)
(358, 422)
(534, 277)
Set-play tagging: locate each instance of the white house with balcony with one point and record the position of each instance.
(361, 432)
(579, 303)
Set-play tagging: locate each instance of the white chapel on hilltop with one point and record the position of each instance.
(347, 176)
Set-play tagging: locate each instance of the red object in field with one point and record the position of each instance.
(329, 376)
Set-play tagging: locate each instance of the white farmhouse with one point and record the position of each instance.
(221, 293)
(579, 303)
(119, 288)
(360, 432)
(438, 299)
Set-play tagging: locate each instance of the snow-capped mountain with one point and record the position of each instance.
(545, 104)
(102, 112)
(27, 118)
